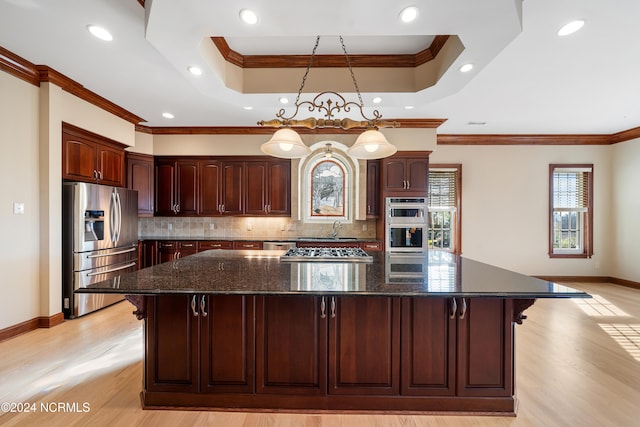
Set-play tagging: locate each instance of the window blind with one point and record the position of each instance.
(570, 190)
(442, 189)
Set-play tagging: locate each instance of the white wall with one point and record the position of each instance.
(19, 174)
(505, 205)
(625, 229)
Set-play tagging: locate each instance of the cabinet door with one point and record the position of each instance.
(78, 159)
(485, 348)
(394, 175)
(167, 251)
(364, 363)
(255, 188)
(171, 344)
(140, 178)
(110, 165)
(279, 188)
(428, 366)
(165, 177)
(373, 188)
(417, 175)
(210, 188)
(227, 344)
(147, 253)
(232, 184)
(291, 345)
(187, 187)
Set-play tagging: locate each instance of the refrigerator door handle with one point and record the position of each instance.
(112, 253)
(112, 219)
(119, 215)
(131, 264)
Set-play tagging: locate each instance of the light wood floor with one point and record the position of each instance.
(573, 368)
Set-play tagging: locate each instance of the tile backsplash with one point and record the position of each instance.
(247, 227)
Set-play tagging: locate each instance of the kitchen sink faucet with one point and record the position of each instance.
(337, 225)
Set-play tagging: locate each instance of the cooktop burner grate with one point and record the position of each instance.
(327, 254)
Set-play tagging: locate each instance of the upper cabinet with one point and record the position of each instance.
(222, 186)
(89, 157)
(406, 173)
(140, 176)
(176, 183)
(373, 188)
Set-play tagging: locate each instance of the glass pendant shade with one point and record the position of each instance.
(371, 144)
(285, 143)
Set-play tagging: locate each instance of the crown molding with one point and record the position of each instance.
(329, 61)
(18, 67)
(524, 139)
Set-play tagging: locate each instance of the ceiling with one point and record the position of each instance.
(526, 79)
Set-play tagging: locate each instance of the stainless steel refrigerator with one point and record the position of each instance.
(99, 242)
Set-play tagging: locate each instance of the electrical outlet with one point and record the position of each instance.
(170, 226)
(249, 226)
(18, 208)
(212, 226)
(364, 226)
(282, 227)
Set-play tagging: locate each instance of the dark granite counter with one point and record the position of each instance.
(261, 239)
(257, 272)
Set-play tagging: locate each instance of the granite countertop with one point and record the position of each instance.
(256, 272)
(262, 239)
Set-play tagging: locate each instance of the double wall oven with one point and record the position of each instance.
(406, 229)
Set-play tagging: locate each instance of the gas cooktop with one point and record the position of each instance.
(327, 255)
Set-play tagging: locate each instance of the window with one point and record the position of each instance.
(444, 207)
(571, 211)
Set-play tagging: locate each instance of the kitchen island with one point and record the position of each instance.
(245, 330)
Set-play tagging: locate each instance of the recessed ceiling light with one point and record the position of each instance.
(284, 100)
(248, 107)
(248, 16)
(409, 14)
(377, 100)
(196, 71)
(408, 107)
(477, 123)
(168, 115)
(100, 33)
(571, 27)
(466, 68)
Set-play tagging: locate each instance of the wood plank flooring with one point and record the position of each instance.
(576, 365)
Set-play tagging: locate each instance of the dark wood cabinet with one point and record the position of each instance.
(364, 363)
(245, 244)
(176, 187)
(291, 345)
(147, 253)
(210, 188)
(140, 175)
(198, 343)
(329, 352)
(214, 244)
(428, 366)
(172, 343)
(173, 250)
(405, 173)
(222, 186)
(89, 157)
(232, 184)
(373, 188)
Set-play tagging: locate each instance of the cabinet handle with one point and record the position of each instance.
(177, 208)
(454, 309)
(333, 307)
(187, 245)
(222, 208)
(194, 305)
(408, 185)
(100, 175)
(464, 308)
(202, 307)
(323, 308)
(269, 209)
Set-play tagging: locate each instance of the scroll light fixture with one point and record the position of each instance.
(286, 142)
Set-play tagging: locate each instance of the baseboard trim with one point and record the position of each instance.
(592, 279)
(31, 325)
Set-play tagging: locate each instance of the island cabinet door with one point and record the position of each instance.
(291, 345)
(428, 366)
(171, 344)
(364, 345)
(227, 343)
(485, 347)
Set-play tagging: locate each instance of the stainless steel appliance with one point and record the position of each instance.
(406, 224)
(327, 254)
(99, 242)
